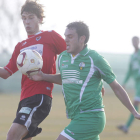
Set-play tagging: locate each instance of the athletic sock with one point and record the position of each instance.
(131, 118)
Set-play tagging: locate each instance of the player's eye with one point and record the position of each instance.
(70, 36)
(31, 17)
(23, 18)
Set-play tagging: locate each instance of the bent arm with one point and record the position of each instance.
(123, 96)
(52, 78)
(4, 73)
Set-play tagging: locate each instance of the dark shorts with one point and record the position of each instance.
(32, 111)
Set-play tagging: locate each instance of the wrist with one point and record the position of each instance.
(43, 76)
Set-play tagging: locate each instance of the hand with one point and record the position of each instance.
(36, 77)
(103, 91)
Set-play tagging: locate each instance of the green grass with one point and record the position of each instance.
(116, 114)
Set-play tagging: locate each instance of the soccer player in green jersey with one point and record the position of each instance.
(133, 71)
(82, 72)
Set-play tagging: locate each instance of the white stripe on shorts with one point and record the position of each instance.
(66, 135)
(28, 122)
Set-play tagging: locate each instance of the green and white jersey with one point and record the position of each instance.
(134, 67)
(82, 80)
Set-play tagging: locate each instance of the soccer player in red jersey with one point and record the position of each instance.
(36, 97)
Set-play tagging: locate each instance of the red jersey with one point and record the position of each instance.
(48, 44)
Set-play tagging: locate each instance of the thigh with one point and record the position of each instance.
(16, 131)
(86, 127)
(61, 137)
(64, 136)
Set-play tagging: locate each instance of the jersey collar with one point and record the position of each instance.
(84, 51)
(35, 34)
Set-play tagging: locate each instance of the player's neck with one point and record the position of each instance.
(30, 35)
(75, 53)
(136, 50)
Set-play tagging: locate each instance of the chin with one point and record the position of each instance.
(29, 31)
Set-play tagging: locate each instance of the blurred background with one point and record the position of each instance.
(112, 25)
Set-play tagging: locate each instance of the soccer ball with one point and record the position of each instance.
(29, 62)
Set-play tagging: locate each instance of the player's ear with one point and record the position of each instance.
(83, 38)
(41, 20)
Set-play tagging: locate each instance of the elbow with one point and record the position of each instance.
(4, 73)
(5, 76)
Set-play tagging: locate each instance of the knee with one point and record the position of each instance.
(10, 136)
(16, 132)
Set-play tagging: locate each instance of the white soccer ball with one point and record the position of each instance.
(29, 62)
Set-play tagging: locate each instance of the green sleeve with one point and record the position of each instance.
(105, 70)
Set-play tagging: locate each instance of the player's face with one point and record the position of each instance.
(31, 23)
(135, 42)
(74, 43)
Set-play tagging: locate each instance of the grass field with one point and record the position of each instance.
(56, 121)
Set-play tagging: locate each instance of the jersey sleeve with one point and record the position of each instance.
(105, 70)
(58, 42)
(11, 67)
(59, 58)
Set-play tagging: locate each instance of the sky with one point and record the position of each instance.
(112, 23)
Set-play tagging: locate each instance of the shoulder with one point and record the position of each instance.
(63, 53)
(98, 59)
(20, 43)
(49, 32)
(95, 55)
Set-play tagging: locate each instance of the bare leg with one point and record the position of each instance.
(28, 139)
(61, 137)
(16, 132)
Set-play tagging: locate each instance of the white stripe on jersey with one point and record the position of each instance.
(9, 70)
(92, 70)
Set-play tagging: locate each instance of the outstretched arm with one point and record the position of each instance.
(4, 73)
(53, 78)
(124, 98)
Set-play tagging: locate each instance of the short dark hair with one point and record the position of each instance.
(81, 29)
(31, 6)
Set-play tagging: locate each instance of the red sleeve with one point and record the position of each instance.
(58, 42)
(11, 67)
